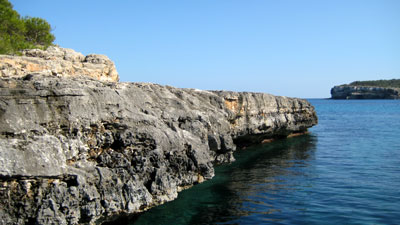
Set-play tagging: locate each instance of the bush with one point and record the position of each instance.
(18, 33)
(393, 83)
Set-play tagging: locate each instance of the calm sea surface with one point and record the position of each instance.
(346, 171)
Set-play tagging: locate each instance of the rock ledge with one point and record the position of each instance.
(75, 150)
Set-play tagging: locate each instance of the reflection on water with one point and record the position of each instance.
(246, 190)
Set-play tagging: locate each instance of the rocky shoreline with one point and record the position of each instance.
(364, 92)
(79, 149)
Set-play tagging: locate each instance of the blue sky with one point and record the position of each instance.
(283, 47)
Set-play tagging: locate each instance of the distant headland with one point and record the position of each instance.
(374, 89)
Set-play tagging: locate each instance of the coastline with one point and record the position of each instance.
(78, 150)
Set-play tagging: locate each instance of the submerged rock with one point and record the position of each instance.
(75, 150)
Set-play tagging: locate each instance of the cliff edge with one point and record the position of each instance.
(376, 89)
(76, 150)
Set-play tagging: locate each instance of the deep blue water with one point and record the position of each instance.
(346, 171)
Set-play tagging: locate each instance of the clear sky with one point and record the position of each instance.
(283, 47)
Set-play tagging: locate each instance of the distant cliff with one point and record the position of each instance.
(76, 150)
(379, 89)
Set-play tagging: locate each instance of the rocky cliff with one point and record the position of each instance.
(364, 92)
(75, 150)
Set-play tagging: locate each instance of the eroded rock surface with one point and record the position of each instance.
(364, 92)
(56, 61)
(81, 151)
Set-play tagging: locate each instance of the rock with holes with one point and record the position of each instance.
(80, 151)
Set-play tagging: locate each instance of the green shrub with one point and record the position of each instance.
(394, 83)
(18, 33)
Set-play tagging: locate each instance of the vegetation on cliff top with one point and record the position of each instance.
(393, 83)
(18, 33)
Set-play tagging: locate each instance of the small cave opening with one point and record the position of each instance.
(71, 181)
(117, 144)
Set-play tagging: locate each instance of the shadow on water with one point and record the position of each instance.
(248, 188)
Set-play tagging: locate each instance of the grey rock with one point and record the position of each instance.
(364, 92)
(81, 151)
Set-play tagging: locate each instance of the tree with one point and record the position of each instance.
(38, 31)
(18, 33)
(12, 28)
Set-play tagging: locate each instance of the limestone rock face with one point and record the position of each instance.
(81, 151)
(364, 92)
(56, 61)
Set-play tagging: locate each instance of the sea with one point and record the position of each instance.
(345, 171)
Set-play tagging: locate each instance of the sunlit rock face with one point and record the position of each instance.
(56, 61)
(77, 150)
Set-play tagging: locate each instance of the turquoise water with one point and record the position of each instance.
(346, 171)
